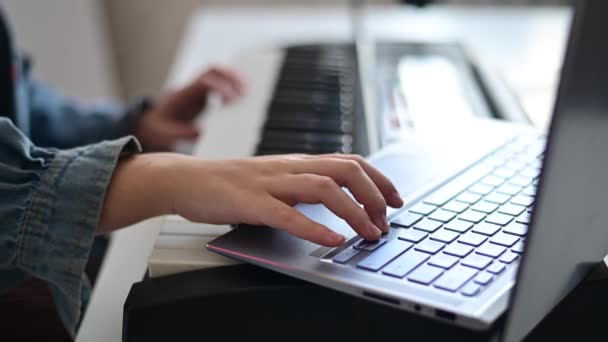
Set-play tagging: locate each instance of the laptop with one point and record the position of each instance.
(500, 221)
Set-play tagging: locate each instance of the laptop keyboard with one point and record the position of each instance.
(464, 235)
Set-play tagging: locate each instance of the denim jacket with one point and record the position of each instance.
(56, 161)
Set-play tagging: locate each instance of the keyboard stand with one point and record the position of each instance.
(241, 301)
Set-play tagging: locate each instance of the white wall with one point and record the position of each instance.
(69, 42)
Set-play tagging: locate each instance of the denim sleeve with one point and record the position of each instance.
(50, 203)
(63, 122)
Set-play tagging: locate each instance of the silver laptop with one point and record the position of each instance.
(468, 247)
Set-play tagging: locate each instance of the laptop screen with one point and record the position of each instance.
(568, 234)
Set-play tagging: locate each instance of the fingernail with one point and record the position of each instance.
(382, 224)
(336, 239)
(396, 199)
(374, 232)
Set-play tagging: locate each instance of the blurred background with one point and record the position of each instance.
(124, 48)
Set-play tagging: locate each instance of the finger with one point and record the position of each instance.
(184, 131)
(279, 215)
(233, 78)
(313, 189)
(386, 187)
(210, 82)
(350, 174)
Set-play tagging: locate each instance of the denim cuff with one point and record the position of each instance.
(60, 223)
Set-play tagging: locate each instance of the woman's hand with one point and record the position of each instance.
(262, 191)
(172, 118)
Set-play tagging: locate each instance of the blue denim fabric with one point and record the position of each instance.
(50, 203)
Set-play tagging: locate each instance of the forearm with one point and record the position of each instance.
(142, 187)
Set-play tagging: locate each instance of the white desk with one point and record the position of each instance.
(524, 45)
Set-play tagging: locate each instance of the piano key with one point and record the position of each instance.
(458, 226)
(471, 289)
(499, 219)
(445, 236)
(428, 225)
(369, 246)
(384, 255)
(404, 264)
(458, 249)
(412, 235)
(423, 208)
(429, 246)
(486, 228)
(453, 279)
(511, 209)
(516, 229)
(490, 249)
(442, 216)
(345, 255)
(472, 216)
(484, 278)
(503, 239)
(455, 206)
(472, 239)
(443, 260)
(508, 257)
(476, 261)
(485, 207)
(496, 268)
(406, 220)
(425, 274)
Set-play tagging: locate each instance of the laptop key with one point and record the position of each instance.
(369, 246)
(503, 239)
(497, 198)
(427, 225)
(481, 189)
(524, 200)
(345, 255)
(429, 246)
(523, 218)
(384, 255)
(472, 216)
(405, 263)
(444, 260)
(512, 209)
(484, 278)
(485, 207)
(496, 268)
(521, 180)
(508, 257)
(485, 228)
(445, 236)
(516, 229)
(455, 206)
(471, 289)
(454, 279)
(458, 226)
(406, 220)
(472, 239)
(423, 208)
(509, 189)
(442, 216)
(491, 250)
(458, 249)
(412, 235)
(477, 261)
(425, 274)
(493, 181)
(468, 197)
(518, 248)
(499, 219)
(530, 190)
(504, 172)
